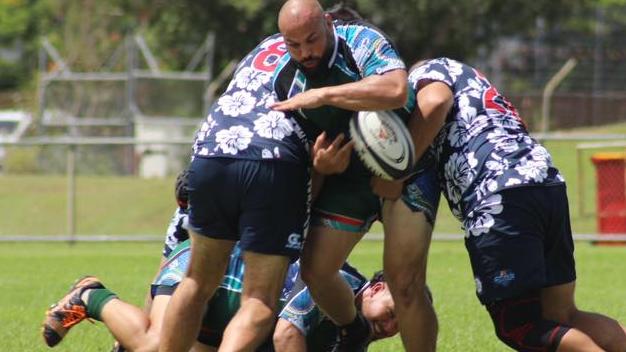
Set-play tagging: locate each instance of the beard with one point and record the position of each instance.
(321, 69)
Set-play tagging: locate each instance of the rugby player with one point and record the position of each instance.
(501, 184)
(333, 69)
(300, 326)
(248, 182)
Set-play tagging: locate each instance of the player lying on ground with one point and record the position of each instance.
(300, 324)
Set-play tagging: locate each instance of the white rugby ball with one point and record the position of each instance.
(383, 143)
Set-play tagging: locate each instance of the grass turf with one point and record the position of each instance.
(34, 275)
(115, 205)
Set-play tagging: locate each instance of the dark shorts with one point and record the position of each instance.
(347, 203)
(528, 246)
(421, 193)
(263, 204)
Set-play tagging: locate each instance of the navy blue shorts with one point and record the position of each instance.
(527, 245)
(263, 204)
(421, 193)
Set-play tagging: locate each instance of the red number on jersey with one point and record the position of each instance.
(494, 101)
(267, 59)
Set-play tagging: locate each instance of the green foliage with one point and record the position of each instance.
(14, 16)
(87, 32)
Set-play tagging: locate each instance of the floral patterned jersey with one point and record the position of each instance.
(241, 124)
(484, 146)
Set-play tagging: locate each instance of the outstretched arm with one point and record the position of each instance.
(377, 92)
(434, 101)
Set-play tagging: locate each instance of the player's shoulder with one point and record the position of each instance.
(438, 69)
(356, 26)
(440, 63)
(354, 278)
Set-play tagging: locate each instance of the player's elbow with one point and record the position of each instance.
(399, 95)
(397, 89)
(435, 97)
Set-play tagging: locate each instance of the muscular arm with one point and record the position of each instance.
(434, 101)
(377, 92)
(288, 338)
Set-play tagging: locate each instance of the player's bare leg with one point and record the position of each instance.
(209, 259)
(198, 347)
(133, 328)
(558, 304)
(325, 251)
(288, 338)
(407, 239)
(262, 284)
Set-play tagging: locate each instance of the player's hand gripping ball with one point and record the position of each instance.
(383, 143)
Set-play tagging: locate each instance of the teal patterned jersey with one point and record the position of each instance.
(302, 312)
(360, 50)
(296, 304)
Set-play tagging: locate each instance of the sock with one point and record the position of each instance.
(97, 299)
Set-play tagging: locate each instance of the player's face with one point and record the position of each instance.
(308, 44)
(378, 307)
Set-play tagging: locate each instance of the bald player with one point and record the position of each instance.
(332, 70)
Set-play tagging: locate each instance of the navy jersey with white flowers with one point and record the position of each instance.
(241, 124)
(360, 50)
(484, 146)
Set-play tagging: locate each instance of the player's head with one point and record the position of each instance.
(308, 34)
(343, 12)
(180, 189)
(378, 307)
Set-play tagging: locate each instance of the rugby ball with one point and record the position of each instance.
(383, 143)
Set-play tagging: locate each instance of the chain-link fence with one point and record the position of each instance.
(79, 189)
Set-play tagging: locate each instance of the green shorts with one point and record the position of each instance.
(346, 201)
(222, 307)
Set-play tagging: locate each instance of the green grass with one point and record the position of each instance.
(36, 274)
(105, 205)
(113, 205)
(36, 204)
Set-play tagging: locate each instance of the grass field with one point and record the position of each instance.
(34, 275)
(35, 204)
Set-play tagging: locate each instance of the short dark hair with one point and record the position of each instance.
(378, 276)
(180, 189)
(343, 12)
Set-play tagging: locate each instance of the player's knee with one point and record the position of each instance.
(284, 335)
(519, 323)
(313, 275)
(563, 315)
(406, 288)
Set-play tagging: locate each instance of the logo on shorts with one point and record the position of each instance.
(266, 154)
(294, 241)
(479, 285)
(504, 278)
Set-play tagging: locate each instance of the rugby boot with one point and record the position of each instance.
(354, 337)
(67, 312)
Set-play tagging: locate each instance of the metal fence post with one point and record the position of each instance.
(71, 193)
